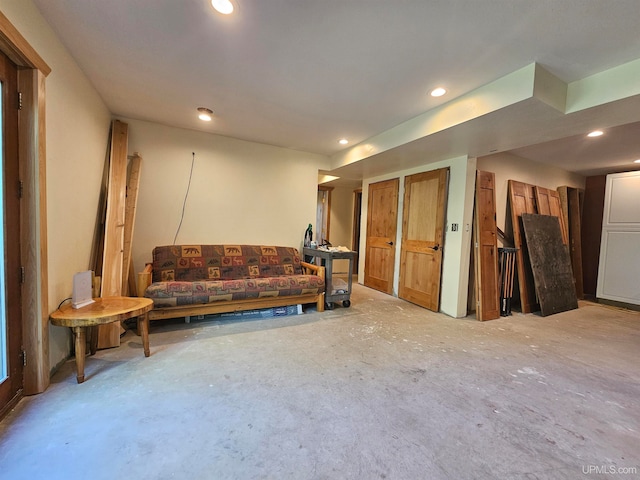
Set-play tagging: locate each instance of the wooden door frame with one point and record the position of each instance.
(11, 336)
(356, 233)
(32, 71)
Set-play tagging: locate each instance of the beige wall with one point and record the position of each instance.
(241, 192)
(455, 272)
(507, 167)
(77, 123)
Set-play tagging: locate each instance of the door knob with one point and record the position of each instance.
(389, 243)
(436, 247)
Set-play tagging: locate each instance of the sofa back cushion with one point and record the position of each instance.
(188, 263)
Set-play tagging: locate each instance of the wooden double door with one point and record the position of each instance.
(422, 240)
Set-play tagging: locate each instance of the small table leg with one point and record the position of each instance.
(143, 324)
(81, 340)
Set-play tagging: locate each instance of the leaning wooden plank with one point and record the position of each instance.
(563, 193)
(571, 209)
(109, 335)
(575, 238)
(548, 202)
(115, 214)
(133, 185)
(542, 200)
(550, 263)
(132, 283)
(522, 200)
(556, 211)
(97, 250)
(486, 248)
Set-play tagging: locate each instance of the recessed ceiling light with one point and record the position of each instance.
(595, 133)
(438, 92)
(636, 161)
(343, 141)
(204, 114)
(223, 6)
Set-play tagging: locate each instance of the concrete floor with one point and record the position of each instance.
(381, 390)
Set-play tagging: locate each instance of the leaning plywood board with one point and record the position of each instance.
(522, 200)
(548, 202)
(486, 248)
(109, 335)
(550, 263)
(133, 184)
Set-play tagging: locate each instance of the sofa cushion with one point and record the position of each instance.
(189, 263)
(171, 294)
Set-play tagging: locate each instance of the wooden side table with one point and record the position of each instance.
(102, 311)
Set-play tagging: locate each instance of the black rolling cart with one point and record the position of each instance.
(328, 256)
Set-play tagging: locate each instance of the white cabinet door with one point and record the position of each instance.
(619, 268)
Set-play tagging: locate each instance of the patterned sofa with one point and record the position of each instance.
(187, 280)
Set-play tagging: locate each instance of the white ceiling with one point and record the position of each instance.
(303, 73)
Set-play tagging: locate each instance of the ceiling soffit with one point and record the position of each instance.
(524, 108)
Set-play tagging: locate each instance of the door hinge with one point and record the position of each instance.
(19, 100)
(24, 358)
(20, 188)
(22, 275)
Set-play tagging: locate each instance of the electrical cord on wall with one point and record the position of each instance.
(184, 204)
(63, 302)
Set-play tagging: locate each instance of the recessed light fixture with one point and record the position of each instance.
(204, 114)
(343, 141)
(223, 6)
(636, 161)
(438, 92)
(595, 133)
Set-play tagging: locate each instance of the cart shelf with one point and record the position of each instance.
(334, 291)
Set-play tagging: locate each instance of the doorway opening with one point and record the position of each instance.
(323, 215)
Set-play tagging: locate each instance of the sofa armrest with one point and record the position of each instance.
(311, 269)
(144, 279)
